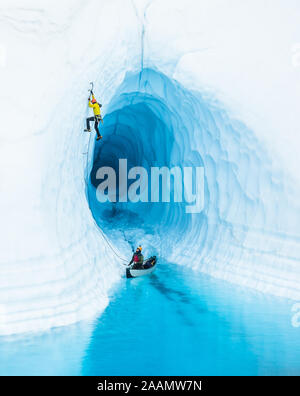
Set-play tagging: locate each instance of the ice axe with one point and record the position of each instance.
(91, 89)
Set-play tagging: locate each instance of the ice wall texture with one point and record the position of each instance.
(55, 266)
(219, 87)
(246, 232)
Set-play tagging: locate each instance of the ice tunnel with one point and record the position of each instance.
(147, 130)
(177, 97)
(153, 121)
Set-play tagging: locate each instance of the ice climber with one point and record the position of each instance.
(97, 116)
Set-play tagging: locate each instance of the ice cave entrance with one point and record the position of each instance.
(149, 123)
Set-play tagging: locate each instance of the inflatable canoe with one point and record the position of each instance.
(148, 267)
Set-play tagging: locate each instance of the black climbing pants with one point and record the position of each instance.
(96, 119)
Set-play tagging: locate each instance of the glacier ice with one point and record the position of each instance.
(242, 233)
(206, 85)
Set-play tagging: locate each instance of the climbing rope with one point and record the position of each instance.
(111, 247)
(88, 197)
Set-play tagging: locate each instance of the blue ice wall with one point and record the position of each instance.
(245, 233)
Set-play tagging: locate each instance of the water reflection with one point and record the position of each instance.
(172, 322)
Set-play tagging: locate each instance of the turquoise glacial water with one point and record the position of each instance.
(173, 322)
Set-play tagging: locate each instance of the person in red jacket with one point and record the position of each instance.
(137, 258)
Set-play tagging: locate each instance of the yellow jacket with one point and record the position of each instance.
(95, 107)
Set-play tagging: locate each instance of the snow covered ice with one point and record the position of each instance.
(184, 92)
